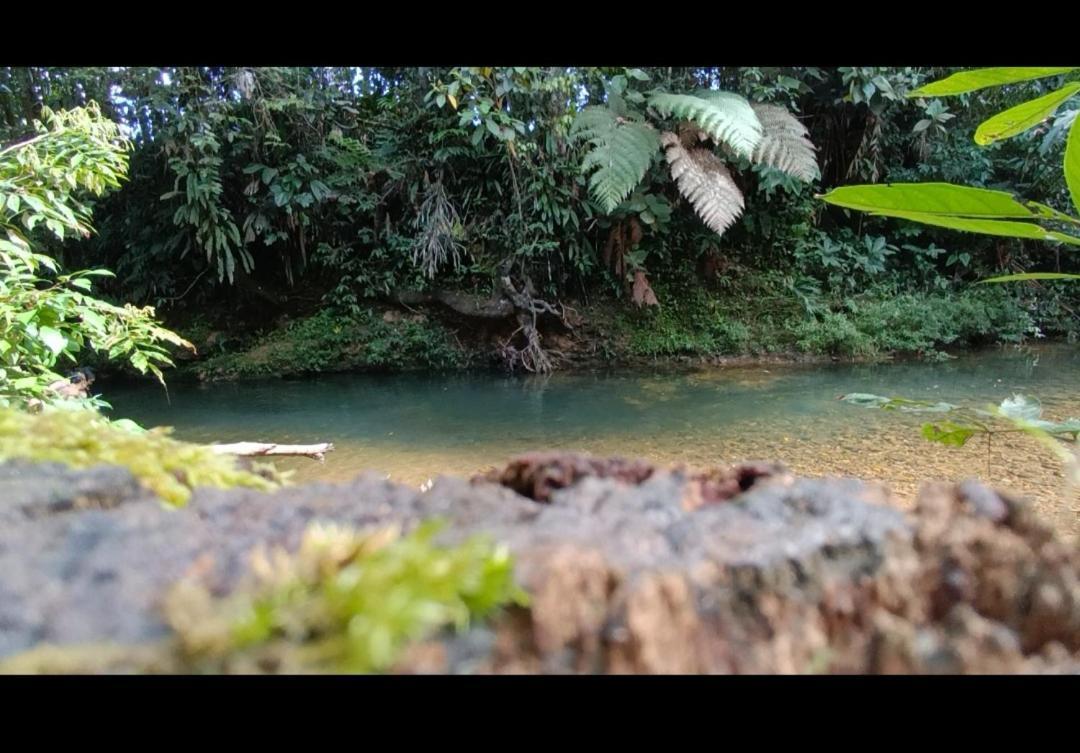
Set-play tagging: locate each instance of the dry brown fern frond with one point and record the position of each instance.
(703, 179)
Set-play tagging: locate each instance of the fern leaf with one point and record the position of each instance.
(622, 149)
(704, 180)
(785, 143)
(726, 117)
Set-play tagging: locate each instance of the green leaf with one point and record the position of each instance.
(948, 433)
(929, 198)
(973, 210)
(969, 81)
(1049, 213)
(1072, 162)
(1031, 276)
(54, 340)
(1024, 116)
(1005, 228)
(94, 319)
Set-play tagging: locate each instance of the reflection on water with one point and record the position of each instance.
(414, 427)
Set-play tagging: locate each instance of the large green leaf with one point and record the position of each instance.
(969, 81)
(1072, 162)
(973, 210)
(1024, 116)
(929, 198)
(1032, 276)
(1005, 228)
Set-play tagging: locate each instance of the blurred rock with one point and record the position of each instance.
(631, 568)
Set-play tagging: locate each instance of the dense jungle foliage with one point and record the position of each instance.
(294, 220)
(310, 219)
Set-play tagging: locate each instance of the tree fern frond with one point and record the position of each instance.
(592, 122)
(704, 180)
(726, 117)
(785, 144)
(621, 153)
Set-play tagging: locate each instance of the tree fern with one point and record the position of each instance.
(726, 117)
(621, 153)
(704, 180)
(785, 143)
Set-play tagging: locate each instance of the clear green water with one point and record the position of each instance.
(417, 427)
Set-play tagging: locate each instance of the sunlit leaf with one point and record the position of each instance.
(1023, 116)
(1032, 276)
(929, 198)
(54, 339)
(1003, 228)
(968, 81)
(1072, 163)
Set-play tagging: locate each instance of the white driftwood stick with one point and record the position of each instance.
(253, 449)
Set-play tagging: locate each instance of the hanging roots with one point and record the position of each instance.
(532, 356)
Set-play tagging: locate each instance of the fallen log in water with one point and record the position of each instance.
(254, 449)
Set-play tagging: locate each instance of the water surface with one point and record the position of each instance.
(414, 427)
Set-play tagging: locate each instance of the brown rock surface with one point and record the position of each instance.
(631, 568)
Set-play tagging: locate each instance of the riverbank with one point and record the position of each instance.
(693, 328)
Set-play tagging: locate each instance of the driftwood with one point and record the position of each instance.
(255, 449)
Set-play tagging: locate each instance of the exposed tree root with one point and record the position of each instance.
(511, 301)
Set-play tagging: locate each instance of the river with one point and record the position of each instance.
(415, 427)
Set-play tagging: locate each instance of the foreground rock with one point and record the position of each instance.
(631, 568)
